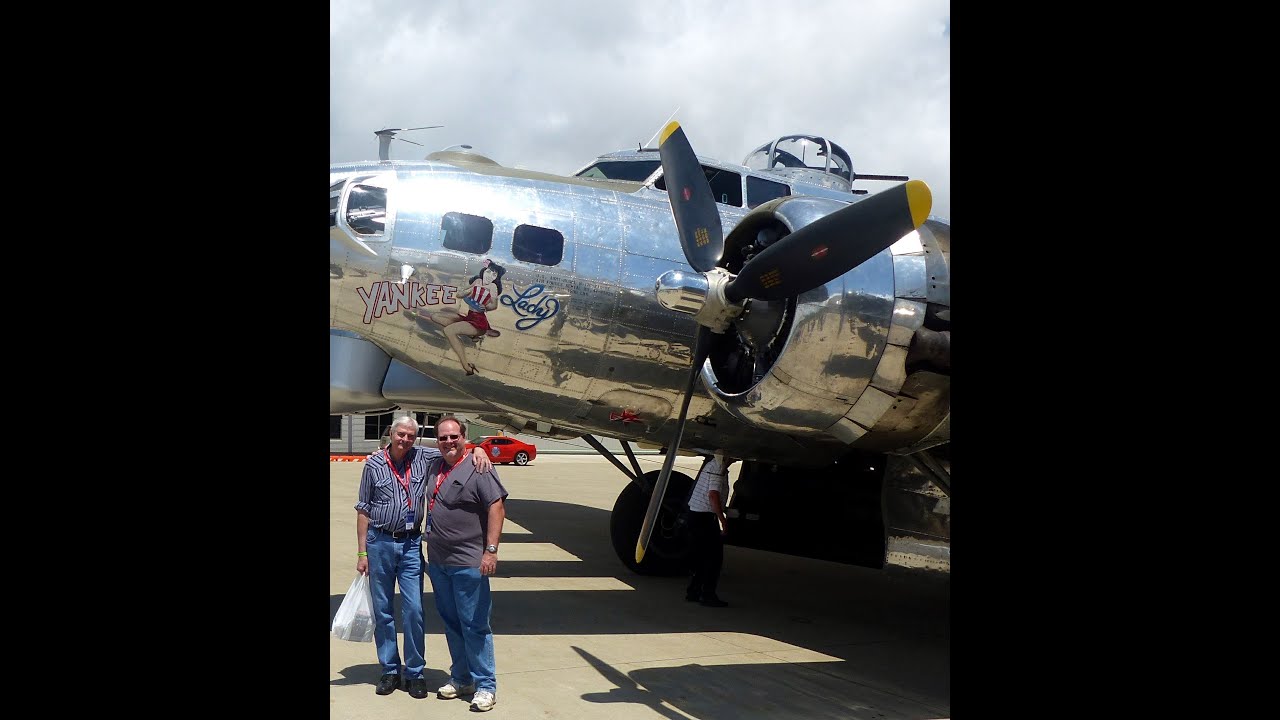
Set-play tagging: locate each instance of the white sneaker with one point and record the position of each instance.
(449, 690)
(483, 701)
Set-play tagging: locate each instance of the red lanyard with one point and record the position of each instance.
(404, 481)
(439, 479)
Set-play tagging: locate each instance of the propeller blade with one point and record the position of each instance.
(692, 204)
(411, 142)
(831, 246)
(701, 348)
(424, 127)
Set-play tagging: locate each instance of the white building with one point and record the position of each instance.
(362, 434)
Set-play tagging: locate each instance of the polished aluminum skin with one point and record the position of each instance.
(356, 370)
(588, 346)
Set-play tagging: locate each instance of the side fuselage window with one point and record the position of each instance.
(468, 233)
(538, 245)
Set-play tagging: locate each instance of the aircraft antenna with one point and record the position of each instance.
(386, 135)
(655, 135)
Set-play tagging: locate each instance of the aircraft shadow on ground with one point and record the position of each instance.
(712, 692)
(884, 627)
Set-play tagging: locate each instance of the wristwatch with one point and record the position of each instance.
(491, 548)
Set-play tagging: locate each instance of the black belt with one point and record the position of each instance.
(403, 534)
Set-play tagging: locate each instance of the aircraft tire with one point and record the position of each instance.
(669, 547)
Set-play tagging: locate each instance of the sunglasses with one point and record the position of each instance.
(448, 437)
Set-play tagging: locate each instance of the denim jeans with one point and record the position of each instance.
(462, 597)
(392, 560)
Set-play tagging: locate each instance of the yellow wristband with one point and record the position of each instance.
(362, 554)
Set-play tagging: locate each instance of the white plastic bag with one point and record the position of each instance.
(354, 620)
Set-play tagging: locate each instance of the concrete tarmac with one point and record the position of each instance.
(577, 635)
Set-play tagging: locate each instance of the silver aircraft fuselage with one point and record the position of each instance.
(581, 345)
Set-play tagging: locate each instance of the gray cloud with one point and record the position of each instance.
(550, 85)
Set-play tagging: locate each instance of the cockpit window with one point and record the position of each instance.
(635, 170)
(367, 209)
(468, 233)
(760, 190)
(726, 186)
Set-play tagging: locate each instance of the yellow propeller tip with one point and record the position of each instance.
(666, 131)
(920, 199)
(639, 553)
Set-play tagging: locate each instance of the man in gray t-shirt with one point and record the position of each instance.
(465, 512)
(460, 515)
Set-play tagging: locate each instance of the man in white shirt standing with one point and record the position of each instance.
(707, 526)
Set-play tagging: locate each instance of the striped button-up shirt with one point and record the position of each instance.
(383, 498)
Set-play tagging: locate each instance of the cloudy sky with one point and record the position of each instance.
(550, 84)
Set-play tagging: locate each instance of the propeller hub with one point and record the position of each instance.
(699, 295)
(681, 291)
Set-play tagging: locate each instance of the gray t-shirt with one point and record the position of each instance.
(460, 516)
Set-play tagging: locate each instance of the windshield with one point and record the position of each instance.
(633, 170)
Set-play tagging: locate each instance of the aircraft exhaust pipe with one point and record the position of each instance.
(932, 349)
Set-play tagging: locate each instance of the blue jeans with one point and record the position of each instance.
(462, 597)
(391, 560)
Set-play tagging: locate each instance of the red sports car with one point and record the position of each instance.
(503, 450)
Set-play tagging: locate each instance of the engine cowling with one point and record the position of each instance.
(864, 358)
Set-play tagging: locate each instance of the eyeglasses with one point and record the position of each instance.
(448, 437)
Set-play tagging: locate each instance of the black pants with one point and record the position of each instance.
(708, 555)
